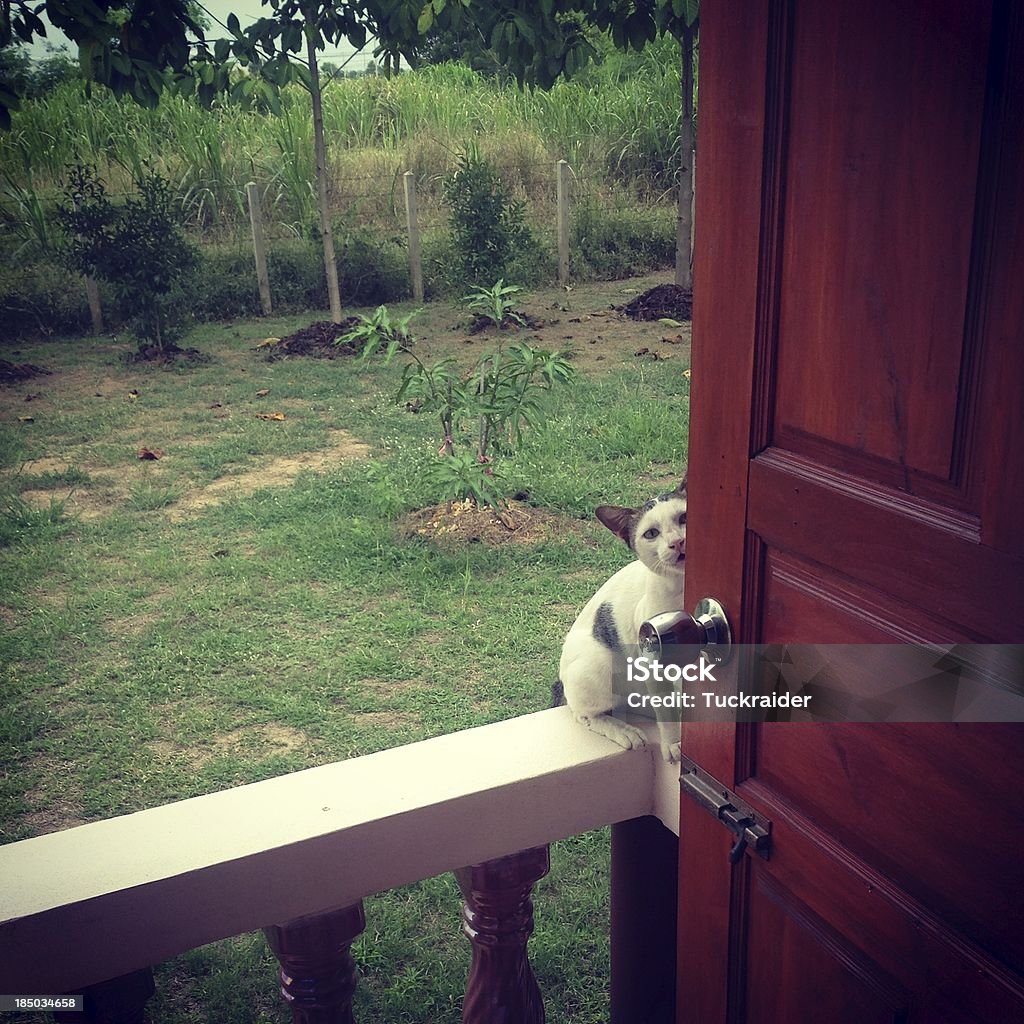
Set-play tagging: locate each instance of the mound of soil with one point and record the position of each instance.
(663, 301)
(481, 323)
(168, 354)
(318, 341)
(463, 523)
(15, 373)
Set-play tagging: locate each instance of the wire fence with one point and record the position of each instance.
(383, 224)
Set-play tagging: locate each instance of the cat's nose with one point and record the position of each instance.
(679, 546)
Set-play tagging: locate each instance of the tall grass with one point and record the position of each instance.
(617, 125)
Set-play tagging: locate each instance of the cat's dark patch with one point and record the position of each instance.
(604, 629)
(557, 694)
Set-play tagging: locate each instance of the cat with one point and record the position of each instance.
(607, 627)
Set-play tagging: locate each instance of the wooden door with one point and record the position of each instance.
(857, 476)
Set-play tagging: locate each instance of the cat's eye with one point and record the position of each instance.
(651, 533)
(682, 518)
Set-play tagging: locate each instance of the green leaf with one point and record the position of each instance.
(426, 19)
(233, 26)
(639, 30)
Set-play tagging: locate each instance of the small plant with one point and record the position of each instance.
(494, 303)
(464, 476)
(502, 394)
(378, 331)
(509, 388)
(138, 249)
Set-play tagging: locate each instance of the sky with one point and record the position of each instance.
(248, 11)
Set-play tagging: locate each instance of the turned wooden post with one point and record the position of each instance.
(498, 919)
(318, 974)
(117, 1001)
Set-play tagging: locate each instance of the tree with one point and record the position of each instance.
(126, 46)
(270, 50)
(137, 248)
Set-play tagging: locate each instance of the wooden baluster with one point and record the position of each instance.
(498, 919)
(117, 1001)
(318, 974)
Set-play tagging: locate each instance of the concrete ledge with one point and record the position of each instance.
(97, 901)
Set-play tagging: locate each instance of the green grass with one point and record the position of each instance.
(153, 651)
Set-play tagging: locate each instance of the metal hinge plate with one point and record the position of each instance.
(751, 829)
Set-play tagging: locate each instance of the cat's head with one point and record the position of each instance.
(655, 532)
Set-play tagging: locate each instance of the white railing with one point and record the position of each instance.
(107, 898)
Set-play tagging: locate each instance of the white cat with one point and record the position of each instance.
(607, 627)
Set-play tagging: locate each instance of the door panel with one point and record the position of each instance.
(861, 784)
(856, 478)
(820, 968)
(858, 179)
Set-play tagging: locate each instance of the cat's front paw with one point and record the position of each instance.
(672, 752)
(630, 738)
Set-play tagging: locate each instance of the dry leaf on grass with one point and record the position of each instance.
(263, 392)
(150, 454)
(270, 416)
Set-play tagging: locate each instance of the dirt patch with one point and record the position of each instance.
(279, 472)
(47, 464)
(384, 719)
(319, 340)
(16, 373)
(388, 687)
(664, 301)
(82, 504)
(168, 354)
(264, 740)
(462, 523)
(271, 737)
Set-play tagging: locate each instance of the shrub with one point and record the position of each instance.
(296, 270)
(488, 230)
(139, 249)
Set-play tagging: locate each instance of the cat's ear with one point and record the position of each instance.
(618, 519)
(681, 486)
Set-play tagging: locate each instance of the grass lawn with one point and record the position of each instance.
(253, 602)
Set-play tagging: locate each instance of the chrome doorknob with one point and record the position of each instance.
(707, 628)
